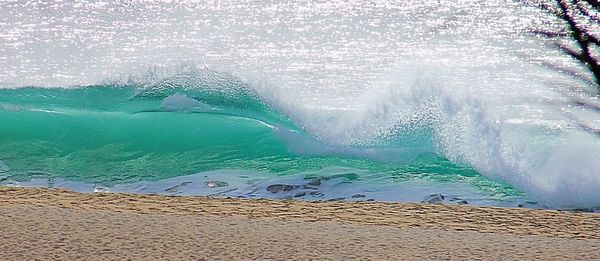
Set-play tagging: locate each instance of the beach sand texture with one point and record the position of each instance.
(59, 224)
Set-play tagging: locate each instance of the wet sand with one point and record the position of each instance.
(59, 224)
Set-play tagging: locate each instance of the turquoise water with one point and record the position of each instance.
(118, 135)
(313, 100)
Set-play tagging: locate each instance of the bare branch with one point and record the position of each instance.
(550, 34)
(589, 129)
(593, 3)
(570, 12)
(585, 11)
(548, 8)
(575, 54)
(593, 39)
(582, 125)
(570, 72)
(583, 41)
(587, 104)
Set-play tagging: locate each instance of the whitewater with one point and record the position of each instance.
(315, 100)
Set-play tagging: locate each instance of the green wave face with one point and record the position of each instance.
(103, 133)
(125, 134)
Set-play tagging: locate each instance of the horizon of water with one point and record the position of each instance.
(367, 99)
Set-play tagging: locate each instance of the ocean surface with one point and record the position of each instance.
(439, 101)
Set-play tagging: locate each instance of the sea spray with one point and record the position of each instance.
(453, 92)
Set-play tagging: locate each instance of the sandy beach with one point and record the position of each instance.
(60, 224)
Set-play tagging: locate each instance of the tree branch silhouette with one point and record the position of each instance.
(580, 17)
(579, 38)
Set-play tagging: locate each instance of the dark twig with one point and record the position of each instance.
(550, 34)
(570, 72)
(593, 3)
(582, 39)
(581, 22)
(585, 11)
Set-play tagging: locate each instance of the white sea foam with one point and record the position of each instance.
(350, 72)
(330, 183)
(180, 102)
(525, 141)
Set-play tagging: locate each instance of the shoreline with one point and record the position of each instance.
(39, 223)
(516, 221)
